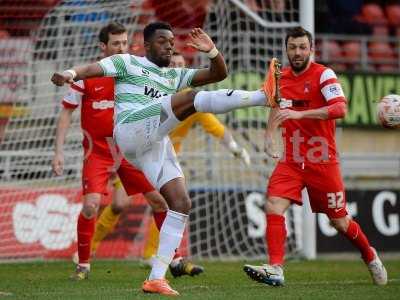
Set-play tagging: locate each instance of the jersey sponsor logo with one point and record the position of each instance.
(145, 72)
(285, 103)
(152, 92)
(103, 104)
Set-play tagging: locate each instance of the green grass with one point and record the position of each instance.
(123, 279)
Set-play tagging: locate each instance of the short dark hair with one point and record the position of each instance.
(151, 28)
(297, 32)
(111, 28)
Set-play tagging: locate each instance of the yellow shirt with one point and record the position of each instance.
(208, 121)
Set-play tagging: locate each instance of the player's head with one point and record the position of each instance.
(177, 60)
(113, 39)
(299, 48)
(158, 43)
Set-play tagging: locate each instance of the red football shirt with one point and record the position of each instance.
(309, 140)
(96, 98)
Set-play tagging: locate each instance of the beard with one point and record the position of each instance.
(300, 68)
(159, 60)
(162, 62)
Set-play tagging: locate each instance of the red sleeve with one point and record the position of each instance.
(336, 110)
(69, 105)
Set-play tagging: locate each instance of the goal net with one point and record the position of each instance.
(38, 211)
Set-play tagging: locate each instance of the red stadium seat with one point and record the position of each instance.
(137, 46)
(373, 14)
(4, 34)
(338, 67)
(393, 14)
(387, 68)
(379, 52)
(331, 51)
(352, 51)
(380, 30)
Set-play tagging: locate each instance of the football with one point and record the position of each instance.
(389, 111)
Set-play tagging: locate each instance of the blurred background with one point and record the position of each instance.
(358, 39)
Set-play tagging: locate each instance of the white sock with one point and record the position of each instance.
(170, 238)
(222, 101)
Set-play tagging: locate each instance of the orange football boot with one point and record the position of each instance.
(158, 286)
(271, 83)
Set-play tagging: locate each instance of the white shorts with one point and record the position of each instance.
(145, 142)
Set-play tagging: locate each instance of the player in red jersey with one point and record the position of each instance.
(101, 157)
(312, 99)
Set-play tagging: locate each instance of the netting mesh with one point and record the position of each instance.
(227, 219)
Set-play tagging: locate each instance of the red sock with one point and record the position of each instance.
(159, 218)
(275, 237)
(357, 237)
(85, 230)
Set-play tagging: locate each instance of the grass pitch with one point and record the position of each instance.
(221, 280)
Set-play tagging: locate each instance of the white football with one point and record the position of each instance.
(389, 111)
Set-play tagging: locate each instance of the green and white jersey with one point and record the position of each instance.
(138, 82)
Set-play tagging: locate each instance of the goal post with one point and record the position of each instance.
(309, 249)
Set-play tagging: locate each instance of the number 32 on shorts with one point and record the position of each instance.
(335, 200)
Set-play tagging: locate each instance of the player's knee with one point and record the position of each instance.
(182, 204)
(90, 209)
(275, 205)
(156, 201)
(190, 94)
(340, 224)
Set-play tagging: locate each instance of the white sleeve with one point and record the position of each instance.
(330, 86)
(74, 96)
(185, 78)
(114, 66)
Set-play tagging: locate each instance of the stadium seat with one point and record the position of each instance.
(379, 52)
(387, 68)
(137, 46)
(352, 51)
(393, 14)
(372, 13)
(337, 67)
(4, 34)
(331, 51)
(380, 30)
(317, 50)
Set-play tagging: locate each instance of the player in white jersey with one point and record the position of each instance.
(148, 107)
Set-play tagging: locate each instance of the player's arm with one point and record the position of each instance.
(63, 124)
(70, 102)
(77, 73)
(217, 70)
(270, 145)
(335, 110)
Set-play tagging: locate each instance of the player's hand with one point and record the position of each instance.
(60, 79)
(286, 114)
(57, 164)
(243, 155)
(200, 40)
